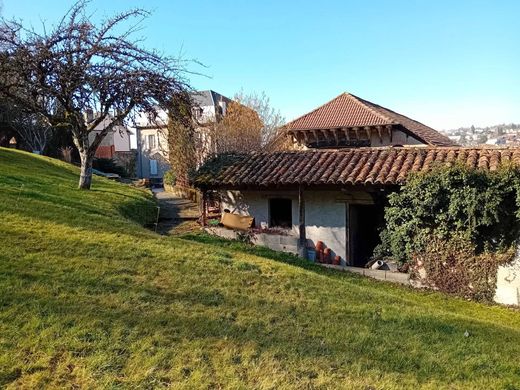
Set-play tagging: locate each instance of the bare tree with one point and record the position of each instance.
(240, 130)
(78, 66)
(32, 130)
(271, 118)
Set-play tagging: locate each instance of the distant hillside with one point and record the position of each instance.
(501, 134)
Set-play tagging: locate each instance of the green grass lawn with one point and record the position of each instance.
(91, 299)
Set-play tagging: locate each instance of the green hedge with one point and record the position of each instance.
(479, 206)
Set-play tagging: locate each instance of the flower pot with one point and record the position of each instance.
(337, 260)
(327, 256)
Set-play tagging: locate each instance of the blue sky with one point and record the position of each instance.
(444, 63)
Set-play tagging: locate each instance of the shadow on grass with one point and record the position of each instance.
(139, 210)
(281, 330)
(406, 293)
(260, 251)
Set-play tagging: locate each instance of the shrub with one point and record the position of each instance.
(457, 225)
(108, 165)
(453, 266)
(480, 206)
(169, 177)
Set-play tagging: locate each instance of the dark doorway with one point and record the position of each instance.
(280, 213)
(364, 222)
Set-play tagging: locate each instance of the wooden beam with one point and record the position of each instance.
(389, 129)
(347, 135)
(325, 134)
(305, 136)
(378, 128)
(336, 137)
(316, 138)
(204, 208)
(297, 136)
(369, 132)
(356, 130)
(303, 236)
(348, 257)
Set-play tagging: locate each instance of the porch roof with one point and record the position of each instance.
(360, 166)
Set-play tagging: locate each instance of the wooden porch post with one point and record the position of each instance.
(302, 244)
(204, 208)
(347, 237)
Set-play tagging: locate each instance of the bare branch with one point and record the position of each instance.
(78, 66)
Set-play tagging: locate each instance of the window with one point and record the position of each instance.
(151, 141)
(153, 167)
(280, 213)
(197, 112)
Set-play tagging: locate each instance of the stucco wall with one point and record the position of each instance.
(158, 153)
(398, 138)
(508, 283)
(325, 214)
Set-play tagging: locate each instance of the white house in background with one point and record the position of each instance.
(118, 140)
(152, 136)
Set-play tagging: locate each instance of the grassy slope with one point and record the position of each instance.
(91, 299)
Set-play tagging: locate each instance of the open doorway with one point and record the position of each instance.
(363, 230)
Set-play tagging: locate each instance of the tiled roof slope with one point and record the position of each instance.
(347, 110)
(362, 166)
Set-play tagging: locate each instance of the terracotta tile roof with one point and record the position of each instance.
(363, 166)
(347, 110)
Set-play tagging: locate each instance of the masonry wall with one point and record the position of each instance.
(157, 152)
(325, 214)
(508, 282)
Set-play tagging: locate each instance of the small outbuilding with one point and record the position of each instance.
(330, 186)
(334, 196)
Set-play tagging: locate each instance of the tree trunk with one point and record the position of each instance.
(85, 178)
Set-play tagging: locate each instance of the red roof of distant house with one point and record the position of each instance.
(361, 166)
(347, 111)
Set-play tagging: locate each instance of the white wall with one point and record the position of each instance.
(119, 137)
(158, 153)
(325, 214)
(508, 283)
(398, 138)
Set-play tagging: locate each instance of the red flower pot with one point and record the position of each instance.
(327, 256)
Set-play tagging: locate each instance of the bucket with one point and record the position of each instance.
(378, 264)
(311, 254)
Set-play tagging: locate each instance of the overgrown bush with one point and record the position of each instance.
(480, 206)
(461, 222)
(108, 165)
(169, 177)
(453, 266)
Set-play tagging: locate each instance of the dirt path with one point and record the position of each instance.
(177, 215)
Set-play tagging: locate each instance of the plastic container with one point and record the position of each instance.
(311, 254)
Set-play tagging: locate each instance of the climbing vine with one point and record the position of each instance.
(181, 143)
(451, 217)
